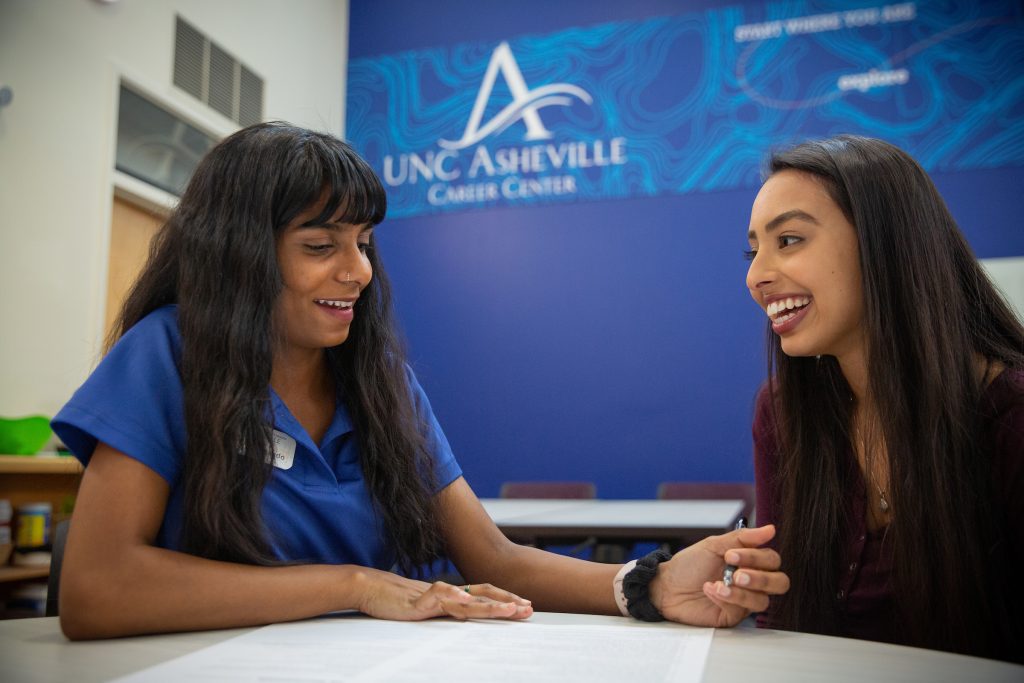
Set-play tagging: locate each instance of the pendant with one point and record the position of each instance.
(883, 504)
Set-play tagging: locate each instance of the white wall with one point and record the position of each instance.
(63, 60)
(1008, 275)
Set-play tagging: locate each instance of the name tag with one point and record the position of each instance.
(284, 450)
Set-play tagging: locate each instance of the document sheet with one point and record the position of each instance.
(362, 649)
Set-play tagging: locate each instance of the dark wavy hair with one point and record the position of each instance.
(216, 259)
(951, 554)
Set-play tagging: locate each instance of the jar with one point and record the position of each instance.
(33, 527)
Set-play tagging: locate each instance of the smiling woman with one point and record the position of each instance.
(889, 438)
(258, 450)
(805, 269)
(319, 291)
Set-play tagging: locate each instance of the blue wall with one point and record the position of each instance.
(614, 340)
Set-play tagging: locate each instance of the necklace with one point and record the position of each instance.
(883, 504)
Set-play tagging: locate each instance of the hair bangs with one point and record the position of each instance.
(320, 170)
(348, 186)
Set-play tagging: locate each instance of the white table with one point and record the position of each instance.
(34, 651)
(675, 521)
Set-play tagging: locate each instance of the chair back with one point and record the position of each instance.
(548, 489)
(60, 536)
(710, 490)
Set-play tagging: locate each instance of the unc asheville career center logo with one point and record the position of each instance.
(454, 174)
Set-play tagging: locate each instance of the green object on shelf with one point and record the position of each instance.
(23, 435)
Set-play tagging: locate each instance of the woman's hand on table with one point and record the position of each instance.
(689, 588)
(390, 596)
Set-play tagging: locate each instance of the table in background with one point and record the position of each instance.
(679, 522)
(34, 651)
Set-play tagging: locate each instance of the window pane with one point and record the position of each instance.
(156, 146)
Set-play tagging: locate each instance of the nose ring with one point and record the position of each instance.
(348, 277)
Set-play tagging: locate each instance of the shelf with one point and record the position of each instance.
(39, 464)
(21, 573)
(45, 478)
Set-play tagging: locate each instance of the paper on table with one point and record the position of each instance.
(360, 649)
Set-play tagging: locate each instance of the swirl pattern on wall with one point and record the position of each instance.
(696, 100)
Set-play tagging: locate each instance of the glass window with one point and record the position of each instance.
(156, 146)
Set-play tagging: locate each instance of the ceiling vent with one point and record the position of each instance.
(209, 73)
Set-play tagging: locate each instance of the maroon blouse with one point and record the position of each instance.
(863, 588)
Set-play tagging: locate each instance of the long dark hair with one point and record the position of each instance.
(950, 553)
(215, 258)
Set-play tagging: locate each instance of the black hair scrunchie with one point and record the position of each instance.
(635, 586)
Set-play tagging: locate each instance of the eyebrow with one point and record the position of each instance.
(793, 214)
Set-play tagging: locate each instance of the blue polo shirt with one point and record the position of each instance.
(316, 505)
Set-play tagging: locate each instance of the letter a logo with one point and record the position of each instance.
(525, 102)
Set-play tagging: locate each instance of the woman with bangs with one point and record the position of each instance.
(258, 450)
(889, 438)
